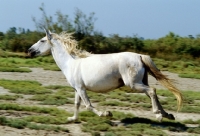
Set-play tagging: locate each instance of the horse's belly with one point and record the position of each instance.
(104, 85)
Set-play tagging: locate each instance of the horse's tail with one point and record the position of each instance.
(155, 72)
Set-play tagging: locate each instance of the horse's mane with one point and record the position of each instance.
(71, 45)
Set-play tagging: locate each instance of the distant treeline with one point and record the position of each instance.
(171, 46)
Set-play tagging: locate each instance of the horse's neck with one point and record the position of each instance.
(61, 56)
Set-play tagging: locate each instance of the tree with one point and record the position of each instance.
(84, 26)
(11, 33)
(62, 24)
(1, 36)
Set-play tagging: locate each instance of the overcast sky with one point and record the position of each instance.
(146, 18)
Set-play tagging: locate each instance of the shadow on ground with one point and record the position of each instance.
(170, 125)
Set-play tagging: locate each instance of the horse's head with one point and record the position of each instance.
(42, 47)
(53, 40)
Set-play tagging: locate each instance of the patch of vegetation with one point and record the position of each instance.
(46, 115)
(62, 90)
(14, 69)
(5, 54)
(96, 97)
(45, 110)
(137, 129)
(52, 99)
(194, 130)
(132, 98)
(60, 87)
(58, 97)
(197, 76)
(190, 121)
(117, 94)
(186, 69)
(114, 103)
(138, 98)
(94, 123)
(190, 104)
(10, 97)
(20, 124)
(23, 87)
(44, 119)
(47, 127)
(16, 123)
(12, 63)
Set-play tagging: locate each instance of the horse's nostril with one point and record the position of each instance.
(32, 54)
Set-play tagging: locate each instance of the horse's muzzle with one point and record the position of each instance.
(32, 52)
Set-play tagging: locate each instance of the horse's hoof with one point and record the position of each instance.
(71, 119)
(108, 114)
(171, 117)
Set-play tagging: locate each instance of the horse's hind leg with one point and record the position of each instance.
(164, 114)
(156, 106)
(77, 105)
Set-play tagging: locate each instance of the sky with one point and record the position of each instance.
(150, 19)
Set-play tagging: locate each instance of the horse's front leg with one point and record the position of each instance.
(82, 93)
(77, 105)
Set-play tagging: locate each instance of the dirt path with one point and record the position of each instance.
(46, 77)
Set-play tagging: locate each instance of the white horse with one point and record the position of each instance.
(103, 72)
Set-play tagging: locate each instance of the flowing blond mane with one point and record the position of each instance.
(71, 45)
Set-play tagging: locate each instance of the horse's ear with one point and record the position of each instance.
(48, 34)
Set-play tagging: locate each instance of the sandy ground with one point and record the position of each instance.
(57, 78)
